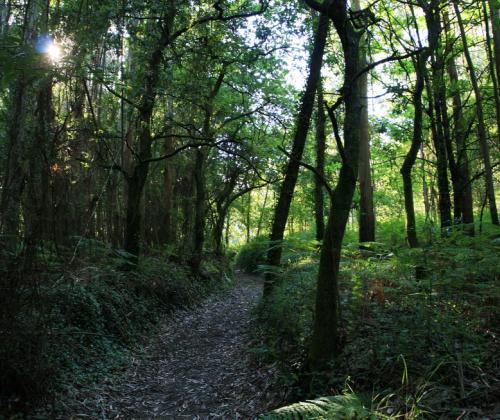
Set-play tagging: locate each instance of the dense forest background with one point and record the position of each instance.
(348, 152)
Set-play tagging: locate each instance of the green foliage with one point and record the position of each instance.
(298, 247)
(72, 329)
(252, 255)
(347, 406)
(442, 324)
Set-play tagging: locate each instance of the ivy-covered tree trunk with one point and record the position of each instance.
(292, 171)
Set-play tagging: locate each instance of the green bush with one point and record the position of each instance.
(65, 330)
(439, 325)
(253, 255)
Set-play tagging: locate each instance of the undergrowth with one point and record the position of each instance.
(62, 327)
(425, 345)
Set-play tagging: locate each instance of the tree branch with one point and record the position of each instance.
(320, 177)
(316, 5)
(335, 125)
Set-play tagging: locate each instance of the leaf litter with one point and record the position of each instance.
(197, 367)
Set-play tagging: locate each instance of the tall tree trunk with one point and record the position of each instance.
(463, 203)
(411, 156)
(292, 171)
(425, 187)
(218, 229)
(366, 206)
(495, 25)
(491, 62)
(16, 164)
(481, 127)
(434, 29)
(167, 235)
(262, 209)
(248, 217)
(137, 179)
(133, 221)
(199, 210)
(439, 140)
(319, 204)
(35, 206)
(324, 344)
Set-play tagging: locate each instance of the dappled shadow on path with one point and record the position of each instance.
(198, 366)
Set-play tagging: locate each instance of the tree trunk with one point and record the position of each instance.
(167, 230)
(433, 28)
(135, 188)
(248, 218)
(291, 174)
(411, 156)
(439, 140)
(14, 175)
(464, 211)
(218, 229)
(16, 165)
(319, 204)
(491, 63)
(35, 208)
(495, 25)
(199, 210)
(137, 180)
(324, 343)
(425, 187)
(481, 128)
(366, 207)
(262, 209)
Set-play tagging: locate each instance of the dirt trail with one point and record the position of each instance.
(197, 368)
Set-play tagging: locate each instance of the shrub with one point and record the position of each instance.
(253, 255)
(443, 324)
(60, 331)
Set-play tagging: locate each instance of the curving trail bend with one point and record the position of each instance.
(198, 367)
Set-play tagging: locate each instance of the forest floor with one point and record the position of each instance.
(197, 367)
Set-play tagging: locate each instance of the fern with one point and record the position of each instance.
(346, 406)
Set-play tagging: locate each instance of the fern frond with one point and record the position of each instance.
(340, 407)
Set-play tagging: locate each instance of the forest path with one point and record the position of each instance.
(197, 368)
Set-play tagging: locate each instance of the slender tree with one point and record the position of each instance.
(366, 205)
(292, 170)
(481, 127)
(325, 338)
(433, 30)
(319, 205)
